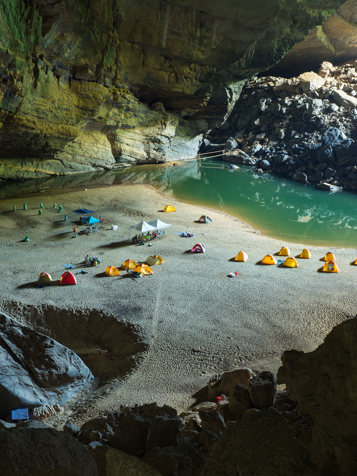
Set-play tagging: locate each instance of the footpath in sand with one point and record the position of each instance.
(196, 320)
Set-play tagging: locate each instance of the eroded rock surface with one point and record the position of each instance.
(302, 128)
(86, 85)
(35, 370)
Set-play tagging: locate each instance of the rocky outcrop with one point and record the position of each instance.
(34, 449)
(302, 128)
(334, 41)
(324, 383)
(87, 85)
(35, 370)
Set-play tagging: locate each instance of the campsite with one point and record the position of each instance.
(193, 319)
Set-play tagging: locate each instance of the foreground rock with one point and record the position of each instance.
(302, 128)
(324, 383)
(87, 85)
(35, 370)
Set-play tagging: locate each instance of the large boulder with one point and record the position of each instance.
(36, 370)
(36, 450)
(324, 382)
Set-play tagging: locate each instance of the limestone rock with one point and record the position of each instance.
(343, 99)
(40, 451)
(262, 389)
(35, 370)
(325, 385)
(223, 384)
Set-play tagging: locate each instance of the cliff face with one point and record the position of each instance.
(87, 84)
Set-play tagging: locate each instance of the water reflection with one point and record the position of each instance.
(277, 207)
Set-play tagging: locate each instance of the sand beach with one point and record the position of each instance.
(194, 320)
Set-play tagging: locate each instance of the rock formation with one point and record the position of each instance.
(87, 85)
(302, 128)
(34, 369)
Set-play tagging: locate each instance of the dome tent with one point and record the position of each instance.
(112, 271)
(290, 262)
(241, 256)
(268, 260)
(284, 251)
(68, 278)
(169, 208)
(305, 254)
(330, 267)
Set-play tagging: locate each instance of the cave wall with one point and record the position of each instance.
(89, 84)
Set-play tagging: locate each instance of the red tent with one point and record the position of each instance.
(68, 278)
(198, 248)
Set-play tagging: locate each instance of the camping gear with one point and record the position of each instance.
(232, 275)
(330, 267)
(268, 259)
(290, 262)
(129, 264)
(143, 227)
(89, 220)
(26, 238)
(91, 260)
(67, 278)
(284, 251)
(154, 260)
(69, 266)
(82, 211)
(169, 208)
(305, 254)
(112, 271)
(44, 278)
(114, 227)
(143, 269)
(205, 219)
(185, 234)
(20, 414)
(158, 224)
(329, 256)
(241, 256)
(198, 248)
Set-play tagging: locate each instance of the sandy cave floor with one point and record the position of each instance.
(195, 320)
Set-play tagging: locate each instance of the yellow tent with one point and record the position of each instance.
(284, 251)
(329, 257)
(355, 262)
(112, 271)
(305, 254)
(290, 262)
(44, 278)
(268, 259)
(154, 260)
(241, 256)
(169, 208)
(142, 268)
(330, 267)
(129, 264)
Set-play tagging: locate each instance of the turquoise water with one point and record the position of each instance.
(277, 207)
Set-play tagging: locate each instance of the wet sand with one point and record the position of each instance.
(196, 320)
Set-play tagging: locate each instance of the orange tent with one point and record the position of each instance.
(268, 259)
(241, 256)
(290, 262)
(355, 262)
(143, 269)
(67, 278)
(330, 267)
(305, 254)
(329, 257)
(284, 251)
(129, 264)
(112, 271)
(169, 208)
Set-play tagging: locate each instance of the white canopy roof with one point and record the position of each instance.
(158, 224)
(143, 227)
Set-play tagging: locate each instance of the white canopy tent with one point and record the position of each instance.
(143, 227)
(158, 224)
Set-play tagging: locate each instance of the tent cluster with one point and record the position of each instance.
(66, 279)
(142, 269)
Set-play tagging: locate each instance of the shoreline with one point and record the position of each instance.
(197, 320)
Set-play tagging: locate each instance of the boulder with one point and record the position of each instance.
(37, 450)
(239, 401)
(36, 370)
(223, 384)
(324, 383)
(343, 99)
(310, 81)
(262, 389)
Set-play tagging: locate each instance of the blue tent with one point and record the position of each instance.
(90, 220)
(20, 414)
